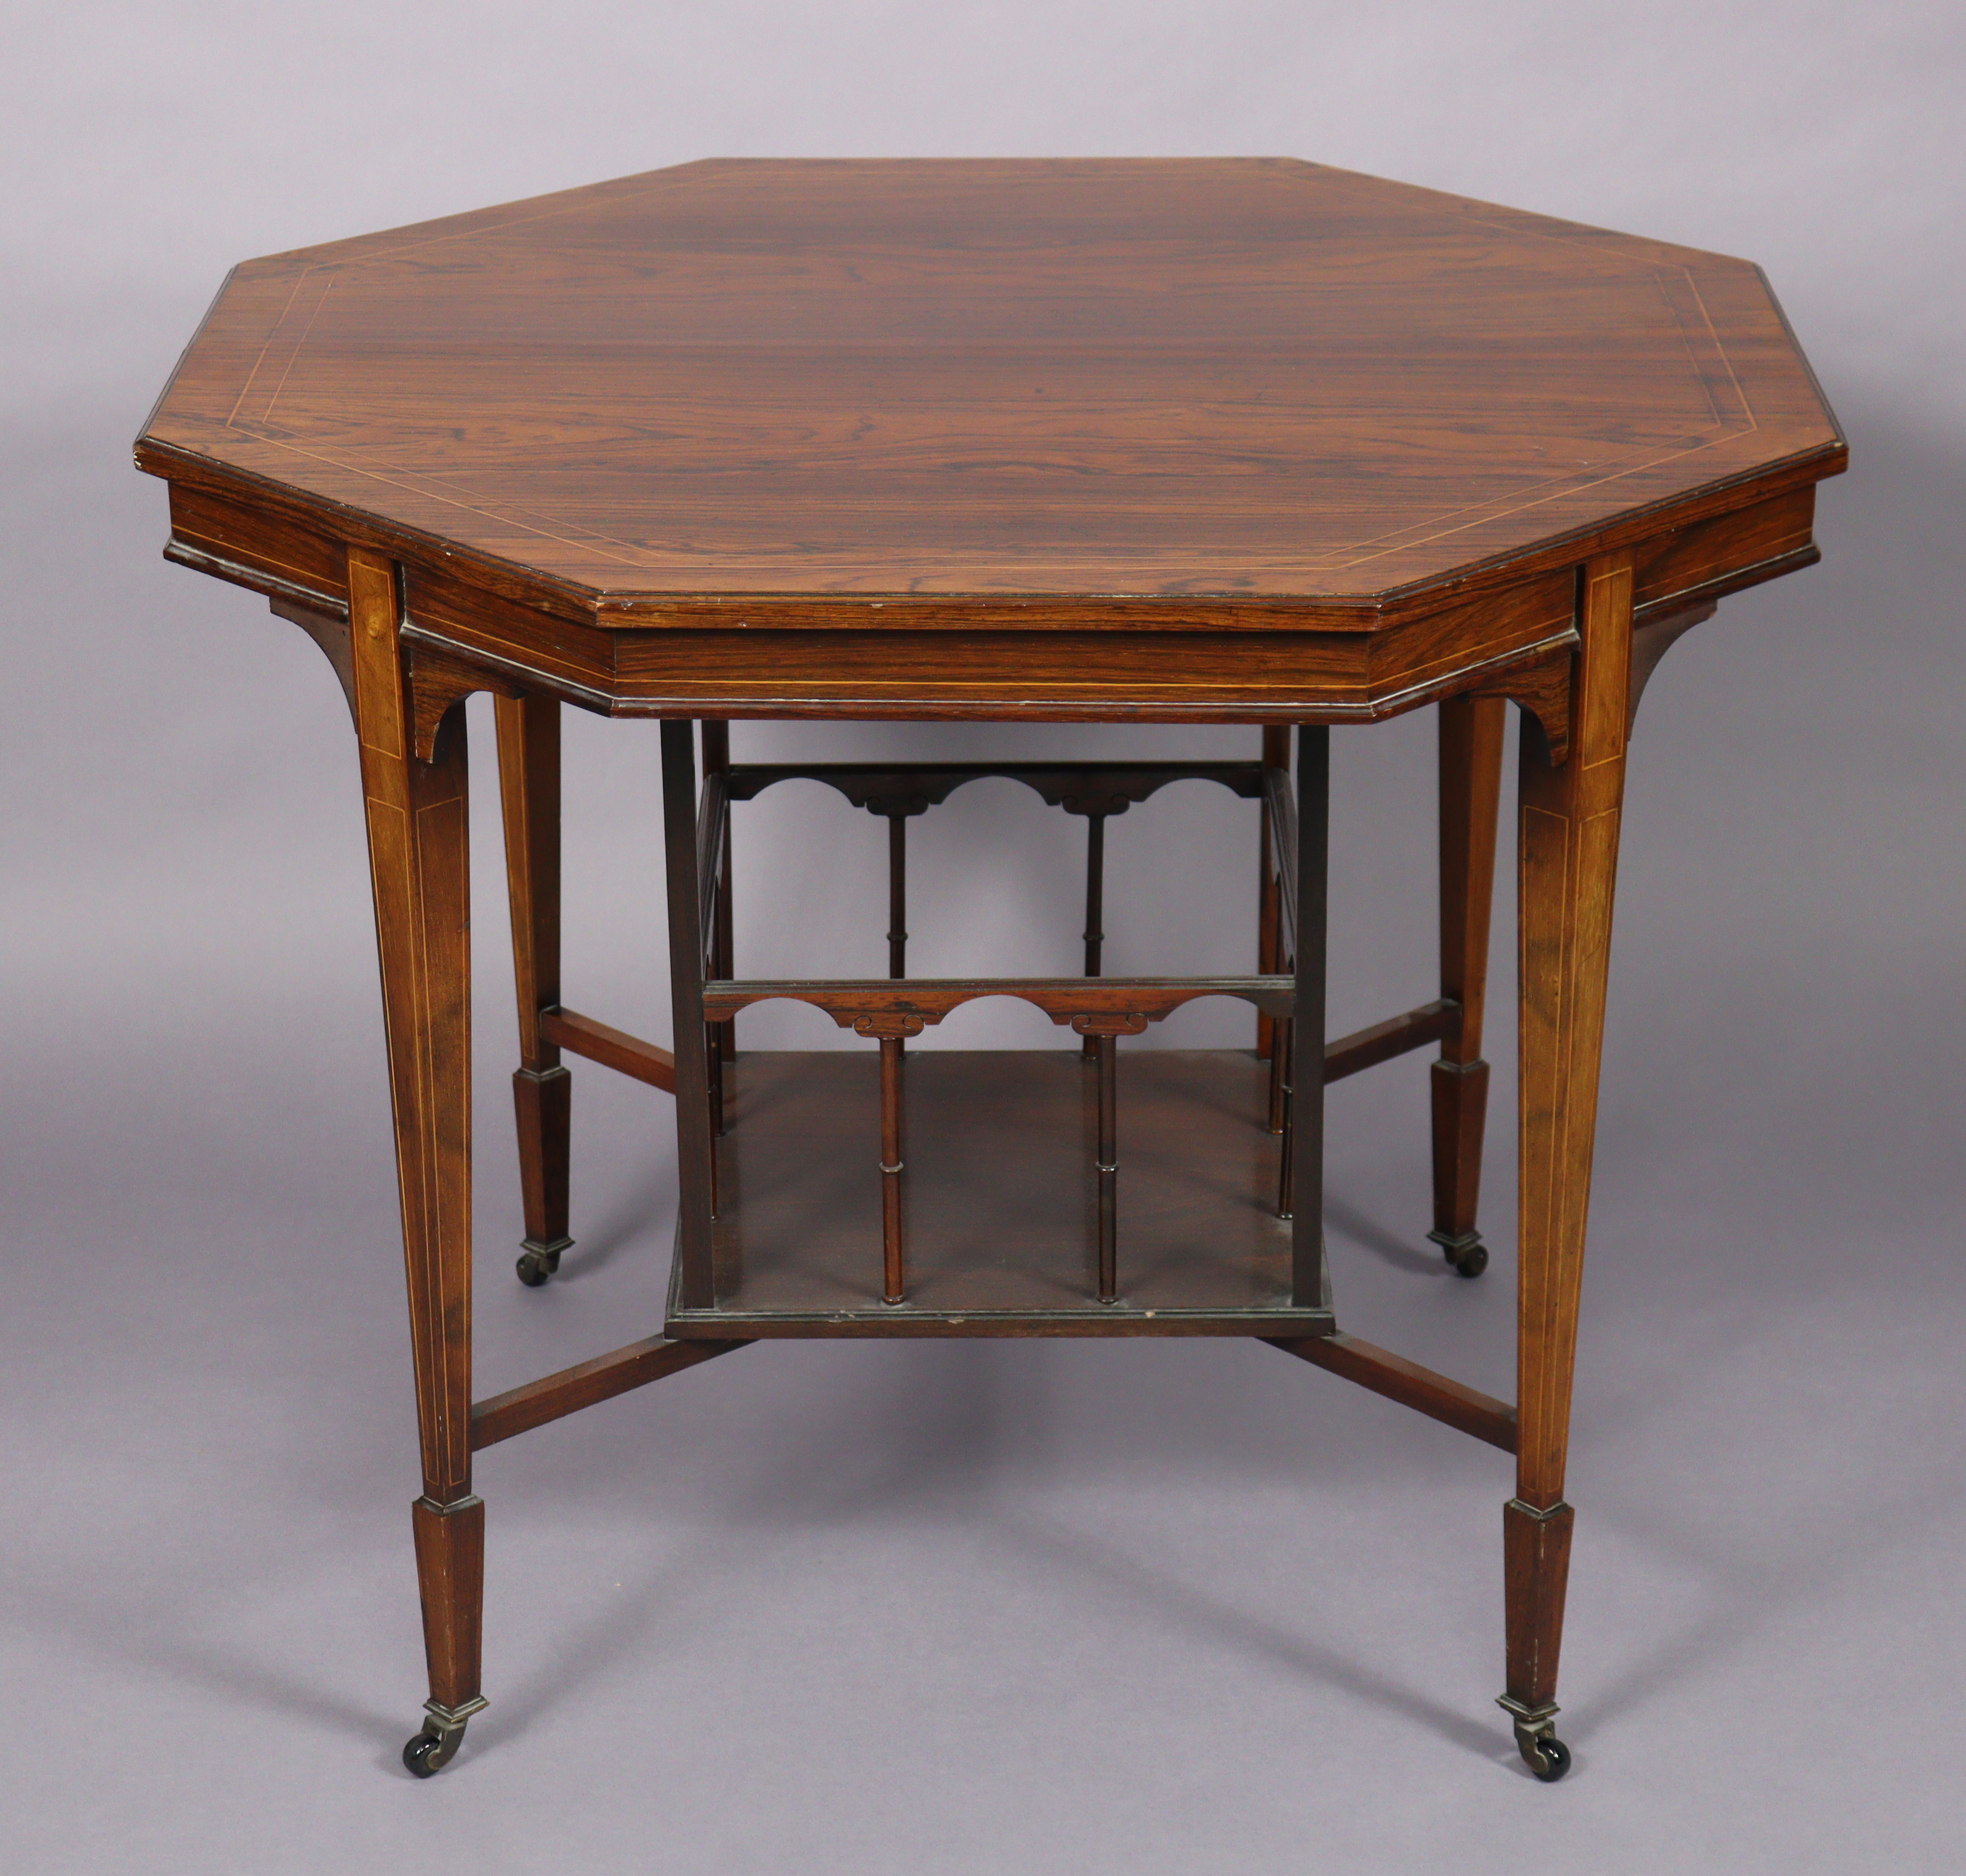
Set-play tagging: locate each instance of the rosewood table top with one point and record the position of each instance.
(885, 400)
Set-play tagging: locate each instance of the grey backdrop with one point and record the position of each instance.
(1160, 1607)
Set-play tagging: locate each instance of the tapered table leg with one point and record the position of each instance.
(1568, 837)
(1470, 780)
(418, 820)
(541, 1088)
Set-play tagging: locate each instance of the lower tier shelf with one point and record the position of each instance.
(1000, 1199)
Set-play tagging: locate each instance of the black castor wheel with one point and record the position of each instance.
(1472, 1261)
(443, 1731)
(1549, 1757)
(1466, 1255)
(419, 1754)
(429, 1751)
(539, 1261)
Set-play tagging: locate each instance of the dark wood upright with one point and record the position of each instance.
(1470, 780)
(541, 1088)
(695, 1144)
(1304, 1145)
(1250, 442)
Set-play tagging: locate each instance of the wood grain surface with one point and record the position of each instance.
(762, 394)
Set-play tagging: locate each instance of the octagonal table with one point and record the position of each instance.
(1248, 442)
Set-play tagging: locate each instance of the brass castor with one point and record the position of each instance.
(537, 1261)
(1542, 1752)
(1546, 1755)
(429, 1751)
(1467, 1254)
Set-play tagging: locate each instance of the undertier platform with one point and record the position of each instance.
(1000, 1201)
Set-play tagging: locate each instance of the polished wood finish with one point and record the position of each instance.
(647, 1062)
(1653, 635)
(1123, 386)
(1678, 569)
(1536, 1575)
(1470, 781)
(1460, 1113)
(1380, 1042)
(418, 815)
(1420, 1388)
(587, 1036)
(1514, 638)
(328, 627)
(1096, 788)
(893, 509)
(519, 1409)
(528, 731)
(1569, 856)
(1003, 1199)
(861, 1004)
(449, 1542)
(1192, 441)
(542, 1107)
